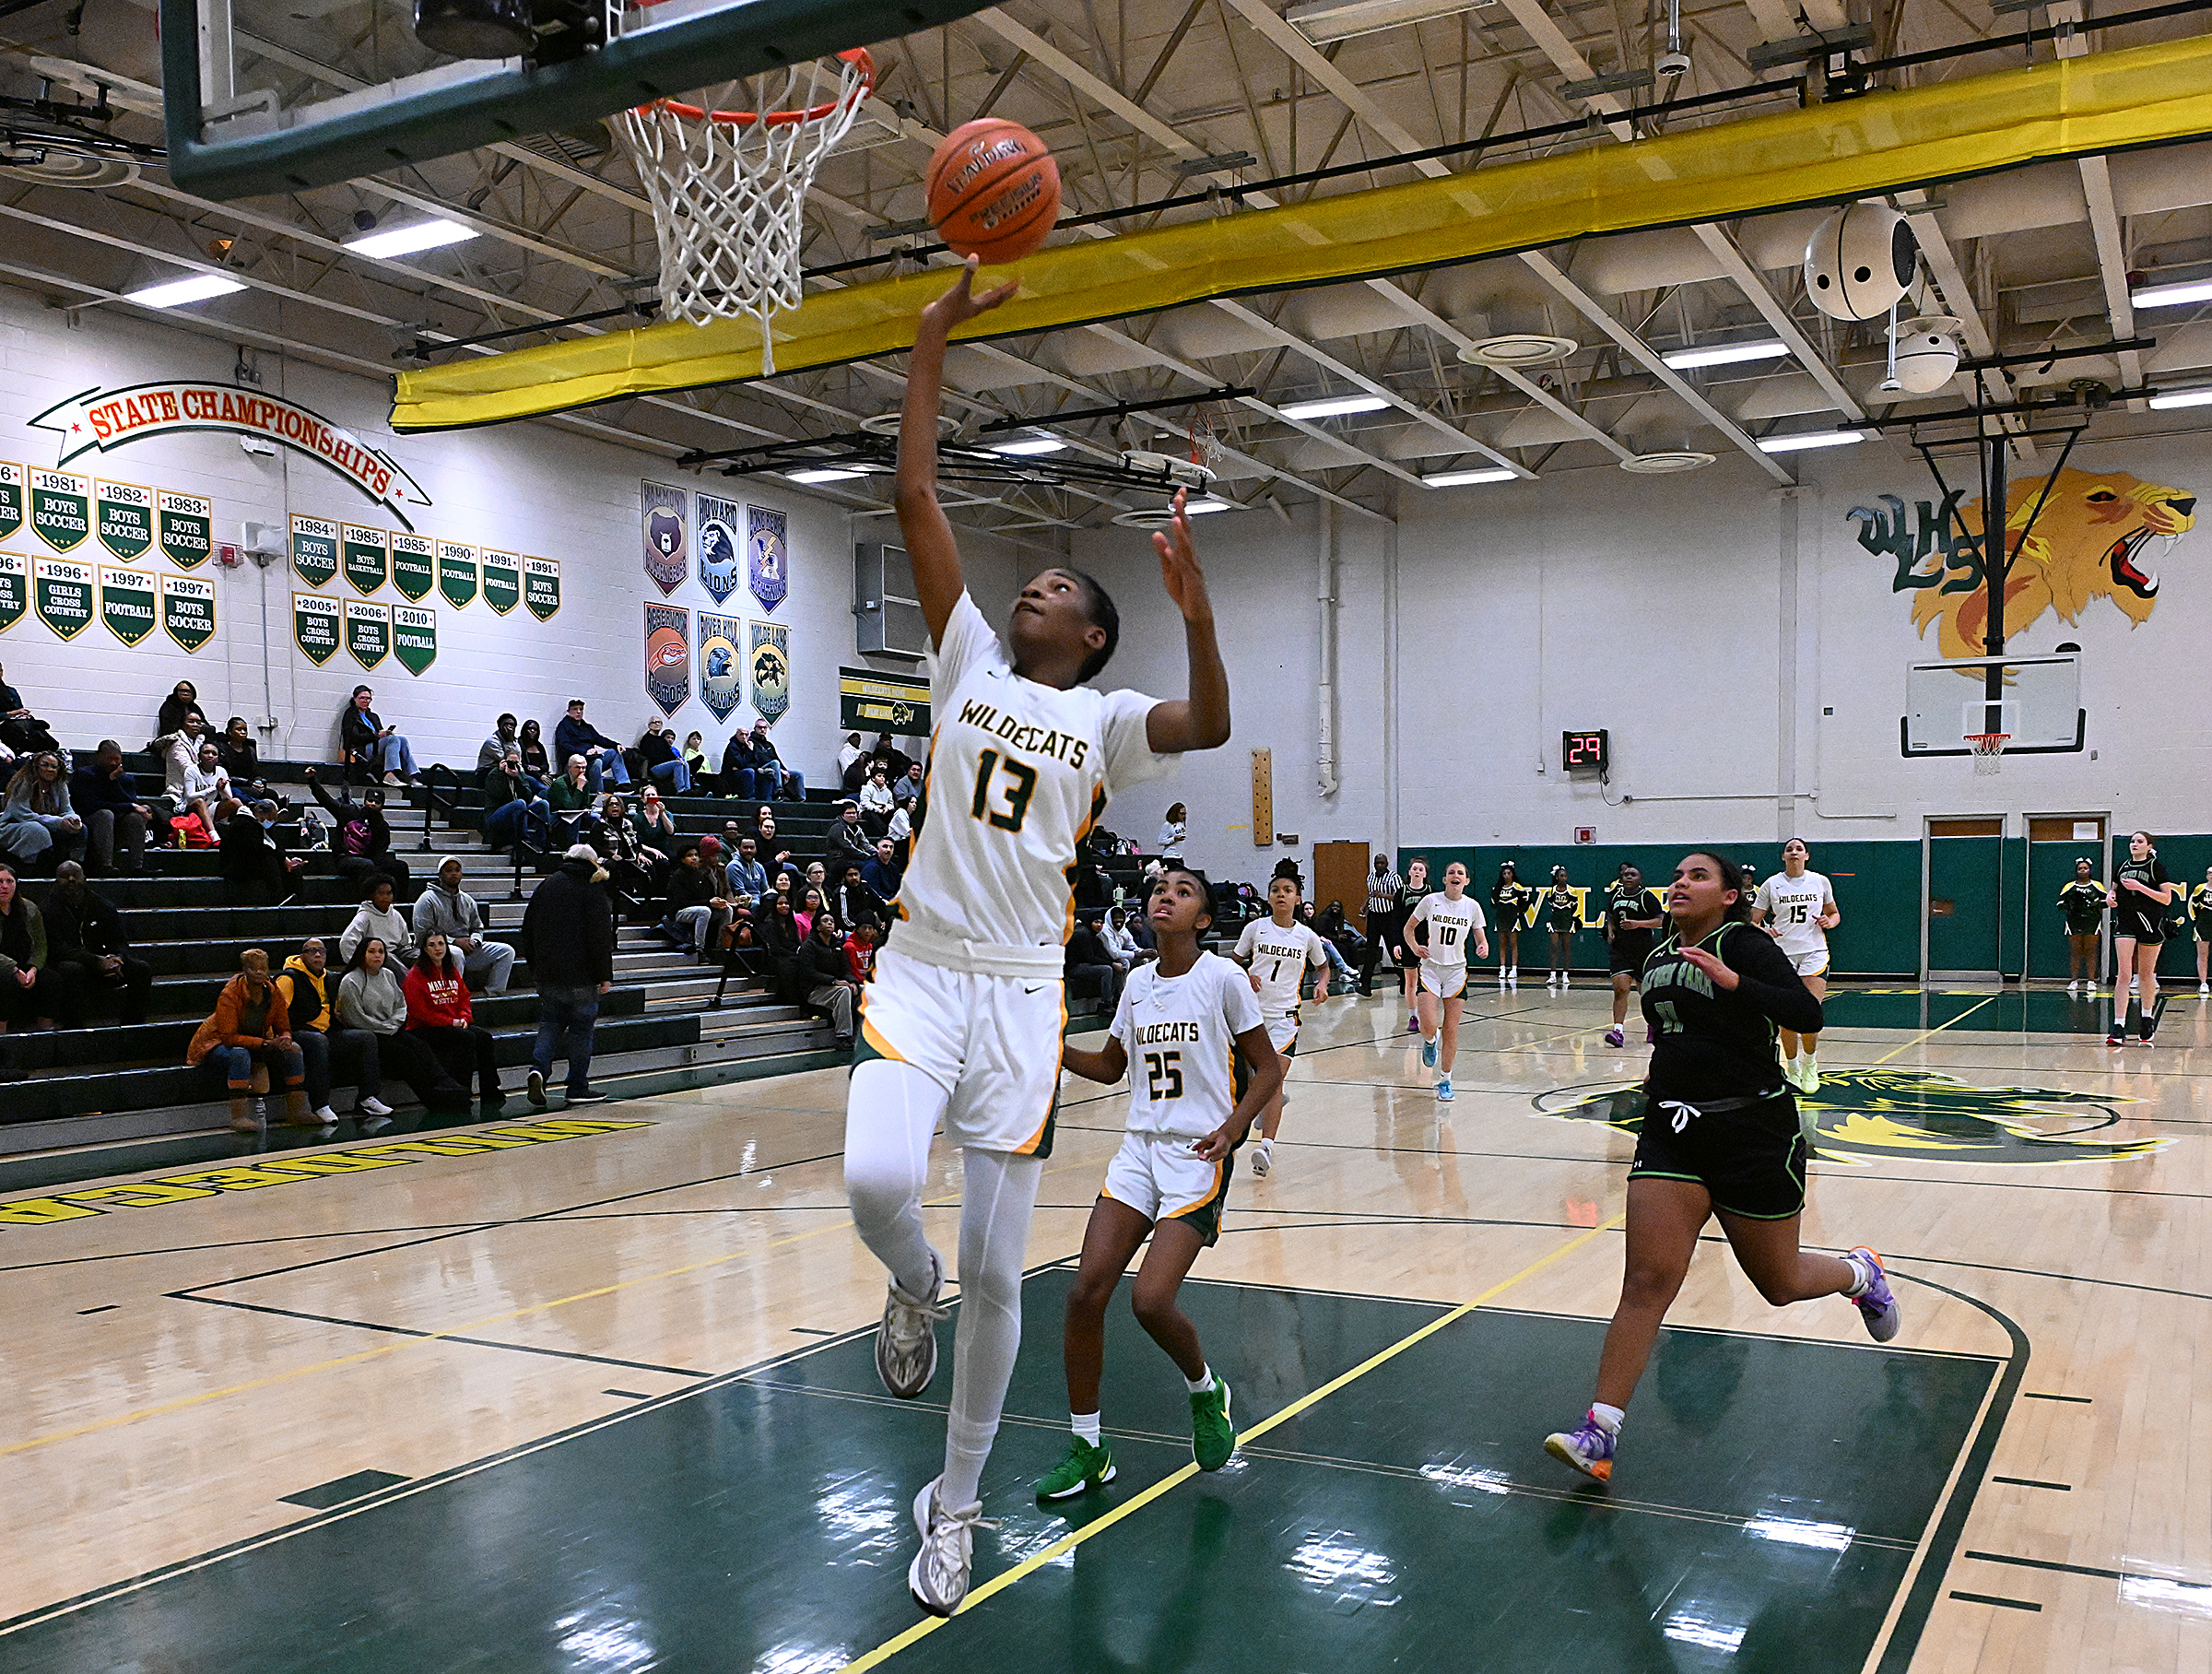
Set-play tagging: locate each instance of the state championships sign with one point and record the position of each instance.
(107, 419)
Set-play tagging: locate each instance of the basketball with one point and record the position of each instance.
(994, 191)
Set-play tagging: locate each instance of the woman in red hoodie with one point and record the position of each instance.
(440, 1010)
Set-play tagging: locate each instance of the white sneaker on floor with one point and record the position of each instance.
(372, 1107)
(2203, 989)
(327, 1117)
(938, 1576)
(1263, 1158)
(906, 1338)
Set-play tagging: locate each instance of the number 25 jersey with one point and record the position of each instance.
(1181, 1035)
(1018, 774)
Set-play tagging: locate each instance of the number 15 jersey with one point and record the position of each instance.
(1018, 774)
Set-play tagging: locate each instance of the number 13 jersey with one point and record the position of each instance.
(1018, 774)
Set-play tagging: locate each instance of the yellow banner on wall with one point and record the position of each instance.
(2106, 101)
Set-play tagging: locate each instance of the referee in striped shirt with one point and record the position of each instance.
(1383, 888)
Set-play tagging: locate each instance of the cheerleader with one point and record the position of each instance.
(1510, 900)
(1561, 911)
(2083, 902)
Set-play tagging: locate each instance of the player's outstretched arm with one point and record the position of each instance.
(1201, 720)
(922, 521)
(1266, 1066)
(1105, 1066)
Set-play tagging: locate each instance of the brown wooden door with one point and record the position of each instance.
(1340, 874)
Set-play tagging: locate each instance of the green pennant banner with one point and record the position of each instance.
(188, 609)
(361, 553)
(186, 524)
(367, 632)
(61, 509)
(125, 512)
(315, 626)
(456, 571)
(126, 602)
(15, 589)
(314, 550)
(414, 564)
(11, 499)
(541, 587)
(413, 637)
(502, 580)
(61, 591)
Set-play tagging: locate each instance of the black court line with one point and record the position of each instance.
(235, 1244)
(325, 1495)
(629, 1395)
(2063, 1488)
(2010, 1604)
(105, 1307)
(813, 1331)
(2196, 1590)
(2037, 1394)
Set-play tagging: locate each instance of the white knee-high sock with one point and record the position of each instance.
(996, 1201)
(891, 1109)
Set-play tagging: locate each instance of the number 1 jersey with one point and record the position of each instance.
(1181, 1035)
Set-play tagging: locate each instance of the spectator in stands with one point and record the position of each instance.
(536, 761)
(773, 852)
(568, 939)
(1113, 930)
(746, 878)
(571, 797)
(907, 785)
(883, 873)
(816, 878)
(779, 932)
(378, 917)
(107, 801)
(901, 835)
(851, 899)
(825, 979)
(39, 828)
(180, 753)
(373, 1000)
(21, 733)
(695, 759)
(887, 752)
(444, 906)
(309, 1009)
(877, 803)
(655, 824)
(504, 737)
(29, 991)
(85, 933)
(602, 756)
(1093, 894)
(634, 869)
(848, 842)
(698, 910)
(770, 777)
(441, 1014)
(739, 778)
(1171, 829)
(208, 784)
(255, 866)
(1340, 970)
(239, 758)
(183, 700)
(247, 1028)
(370, 743)
(1090, 967)
(656, 749)
(809, 908)
(362, 842)
(860, 951)
(515, 809)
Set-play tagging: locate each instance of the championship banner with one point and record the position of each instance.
(668, 656)
(186, 524)
(502, 580)
(768, 561)
(541, 587)
(315, 628)
(61, 509)
(667, 552)
(365, 555)
(108, 419)
(868, 701)
(720, 557)
(456, 571)
(11, 499)
(15, 589)
(61, 591)
(414, 565)
(124, 514)
(314, 549)
(126, 602)
(721, 665)
(188, 609)
(770, 658)
(367, 632)
(413, 637)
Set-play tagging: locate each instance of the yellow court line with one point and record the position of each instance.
(1940, 1028)
(1068, 1542)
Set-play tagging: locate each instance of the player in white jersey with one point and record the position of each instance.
(1278, 950)
(1798, 908)
(963, 1023)
(1183, 1024)
(1441, 929)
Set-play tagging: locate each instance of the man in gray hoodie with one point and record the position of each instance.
(444, 905)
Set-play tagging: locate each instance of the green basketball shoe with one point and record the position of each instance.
(1213, 1437)
(1081, 1469)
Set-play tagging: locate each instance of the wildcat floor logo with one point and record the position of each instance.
(1916, 1115)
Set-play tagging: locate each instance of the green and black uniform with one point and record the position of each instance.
(2083, 904)
(1625, 949)
(2200, 911)
(2134, 913)
(1716, 1110)
(1509, 904)
(1409, 958)
(1560, 910)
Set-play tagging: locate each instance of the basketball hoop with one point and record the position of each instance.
(1989, 750)
(728, 188)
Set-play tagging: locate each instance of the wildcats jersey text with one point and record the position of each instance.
(1017, 775)
(1451, 926)
(1794, 907)
(1181, 1035)
(1279, 958)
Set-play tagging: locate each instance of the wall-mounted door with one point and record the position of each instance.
(2054, 843)
(1963, 898)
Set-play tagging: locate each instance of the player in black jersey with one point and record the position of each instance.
(1632, 915)
(2141, 895)
(2083, 902)
(1408, 958)
(2200, 921)
(1719, 1138)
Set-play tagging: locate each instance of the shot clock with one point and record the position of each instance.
(1585, 752)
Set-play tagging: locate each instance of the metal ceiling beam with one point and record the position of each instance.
(2104, 221)
(1993, 385)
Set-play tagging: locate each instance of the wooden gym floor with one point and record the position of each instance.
(597, 1393)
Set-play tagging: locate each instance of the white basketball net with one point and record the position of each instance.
(1989, 751)
(728, 189)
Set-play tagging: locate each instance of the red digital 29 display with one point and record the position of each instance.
(1584, 752)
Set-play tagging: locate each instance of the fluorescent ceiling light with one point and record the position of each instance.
(1329, 407)
(2182, 397)
(1197, 508)
(829, 473)
(1322, 21)
(1453, 479)
(1027, 445)
(1726, 354)
(406, 241)
(198, 289)
(1813, 439)
(2172, 296)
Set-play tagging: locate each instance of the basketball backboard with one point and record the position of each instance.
(243, 123)
(1947, 702)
